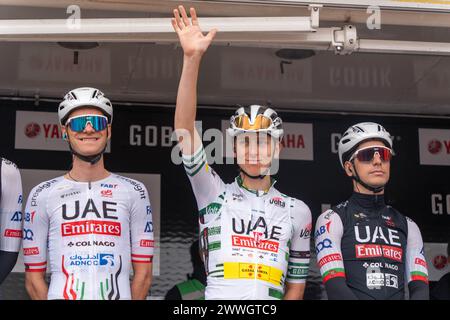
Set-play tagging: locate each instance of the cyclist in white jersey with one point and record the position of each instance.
(10, 216)
(91, 226)
(255, 240)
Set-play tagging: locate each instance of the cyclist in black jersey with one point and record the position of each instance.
(365, 248)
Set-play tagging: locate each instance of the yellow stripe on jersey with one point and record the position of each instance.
(240, 270)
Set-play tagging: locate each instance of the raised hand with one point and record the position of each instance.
(192, 40)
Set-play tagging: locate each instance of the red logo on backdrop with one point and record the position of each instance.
(32, 130)
(440, 262)
(434, 146)
(30, 251)
(147, 243)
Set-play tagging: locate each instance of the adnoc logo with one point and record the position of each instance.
(435, 146)
(32, 130)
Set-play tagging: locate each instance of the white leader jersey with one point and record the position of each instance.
(252, 242)
(89, 233)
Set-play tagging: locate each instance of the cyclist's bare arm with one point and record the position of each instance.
(36, 285)
(194, 45)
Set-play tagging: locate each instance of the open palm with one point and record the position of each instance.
(191, 37)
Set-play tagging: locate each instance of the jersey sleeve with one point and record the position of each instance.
(11, 208)
(35, 230)
(206, 184)
(141, 226)
(416, 265)
(328, 234)
(299, 251)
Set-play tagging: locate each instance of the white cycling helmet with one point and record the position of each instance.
(256, 118)
(359, 133)
(84, 97)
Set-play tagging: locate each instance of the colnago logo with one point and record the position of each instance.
(381, 265)
(31, 251)
(91, 227)
(278, 202)
(330, 258)
(146, 243)
(11, 233)
(89, 243)
(364, 251)
(249, 242)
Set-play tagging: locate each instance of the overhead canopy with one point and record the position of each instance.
(369, 82)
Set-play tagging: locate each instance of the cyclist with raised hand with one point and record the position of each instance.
(365, 248)
(90, 225)
(255, 240)
(10, 216)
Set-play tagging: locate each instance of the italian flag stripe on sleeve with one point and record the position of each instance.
(333, 273)
(420, 276)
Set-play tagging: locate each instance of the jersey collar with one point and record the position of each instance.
(258, 193)
(366, 201)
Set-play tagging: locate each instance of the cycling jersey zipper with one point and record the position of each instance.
(91, 250)
(380, 223)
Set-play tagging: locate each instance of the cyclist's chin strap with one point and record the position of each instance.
(365, 185)
(261, 176)
(93, 159)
